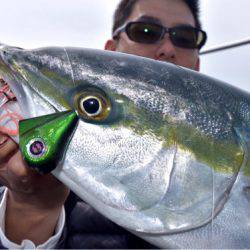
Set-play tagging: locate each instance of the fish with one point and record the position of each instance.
(161, 150)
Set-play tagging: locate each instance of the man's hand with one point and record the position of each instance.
(34, 200)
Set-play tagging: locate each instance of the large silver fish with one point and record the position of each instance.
(161, 150)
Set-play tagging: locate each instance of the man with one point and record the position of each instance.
(166, 30)
(168, 14)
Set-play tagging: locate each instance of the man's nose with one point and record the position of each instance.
(166, 50)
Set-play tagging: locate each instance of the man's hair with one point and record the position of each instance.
(125, 8)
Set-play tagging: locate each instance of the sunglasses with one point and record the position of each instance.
(183, 36)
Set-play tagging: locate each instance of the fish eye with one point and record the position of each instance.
(92, 106)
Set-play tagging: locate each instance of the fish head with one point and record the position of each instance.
(152, 145)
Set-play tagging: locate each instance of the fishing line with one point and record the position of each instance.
(226, 46)
(72, 73)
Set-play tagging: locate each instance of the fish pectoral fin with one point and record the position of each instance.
(243, 134)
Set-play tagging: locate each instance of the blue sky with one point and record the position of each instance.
(87, 23)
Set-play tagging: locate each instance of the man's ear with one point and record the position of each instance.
(197, 65)
(110, 45)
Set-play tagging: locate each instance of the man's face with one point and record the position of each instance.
(168, 13)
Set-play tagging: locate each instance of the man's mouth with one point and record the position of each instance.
(3, 139)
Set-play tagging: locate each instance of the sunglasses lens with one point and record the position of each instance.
(144, 33)
(187, 37)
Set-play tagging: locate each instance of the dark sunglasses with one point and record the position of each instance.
(183, 36)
